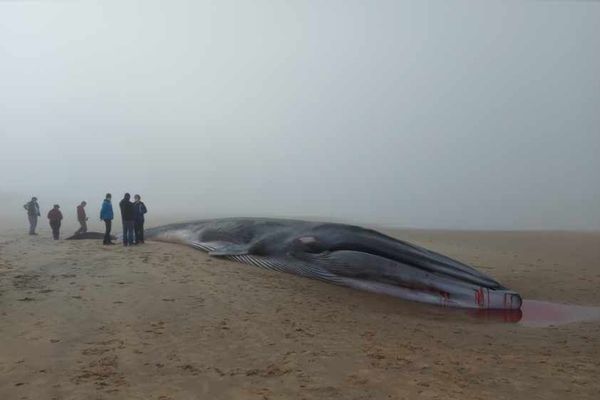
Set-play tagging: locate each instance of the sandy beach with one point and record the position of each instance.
(163, 321)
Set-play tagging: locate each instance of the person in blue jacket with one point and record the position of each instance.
(139, 209)
(106, 215)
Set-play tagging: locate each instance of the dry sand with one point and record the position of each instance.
(161, 321)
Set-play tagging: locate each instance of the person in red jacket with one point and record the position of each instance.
(82, 218)
(55, 217)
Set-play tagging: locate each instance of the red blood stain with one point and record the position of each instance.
(539, 313)
(497, 315)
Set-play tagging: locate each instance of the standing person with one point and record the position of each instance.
(106, 215)
(82, 218)
(127, 218)
(55, 217)
(33, 212)
(139, 209)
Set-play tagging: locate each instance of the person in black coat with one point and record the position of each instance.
(139, 209)
(55, 217)
(127, 219)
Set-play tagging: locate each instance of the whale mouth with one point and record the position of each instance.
(483, 298)
(498, 300)
(379, 274)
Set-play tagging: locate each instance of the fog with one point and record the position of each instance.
(439, 114)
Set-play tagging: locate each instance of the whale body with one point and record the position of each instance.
(345, 255)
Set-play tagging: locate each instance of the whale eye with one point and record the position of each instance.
(307, 239)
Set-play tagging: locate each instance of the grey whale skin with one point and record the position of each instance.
(345, 255)
(89, 236)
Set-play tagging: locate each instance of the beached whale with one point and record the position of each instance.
(345, 255)
(89, 235)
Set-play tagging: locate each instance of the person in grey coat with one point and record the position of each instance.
(33, 212)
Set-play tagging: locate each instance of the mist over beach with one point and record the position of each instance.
(414, 114)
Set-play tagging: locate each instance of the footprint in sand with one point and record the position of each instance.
(156, 328)
(102, 372)
(190, 369)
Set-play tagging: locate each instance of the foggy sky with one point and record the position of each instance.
(440, 114)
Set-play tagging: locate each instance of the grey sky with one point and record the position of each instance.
(443, 114)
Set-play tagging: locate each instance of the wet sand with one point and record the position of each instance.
(162, 321)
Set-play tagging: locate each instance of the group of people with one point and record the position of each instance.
(132, 216)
